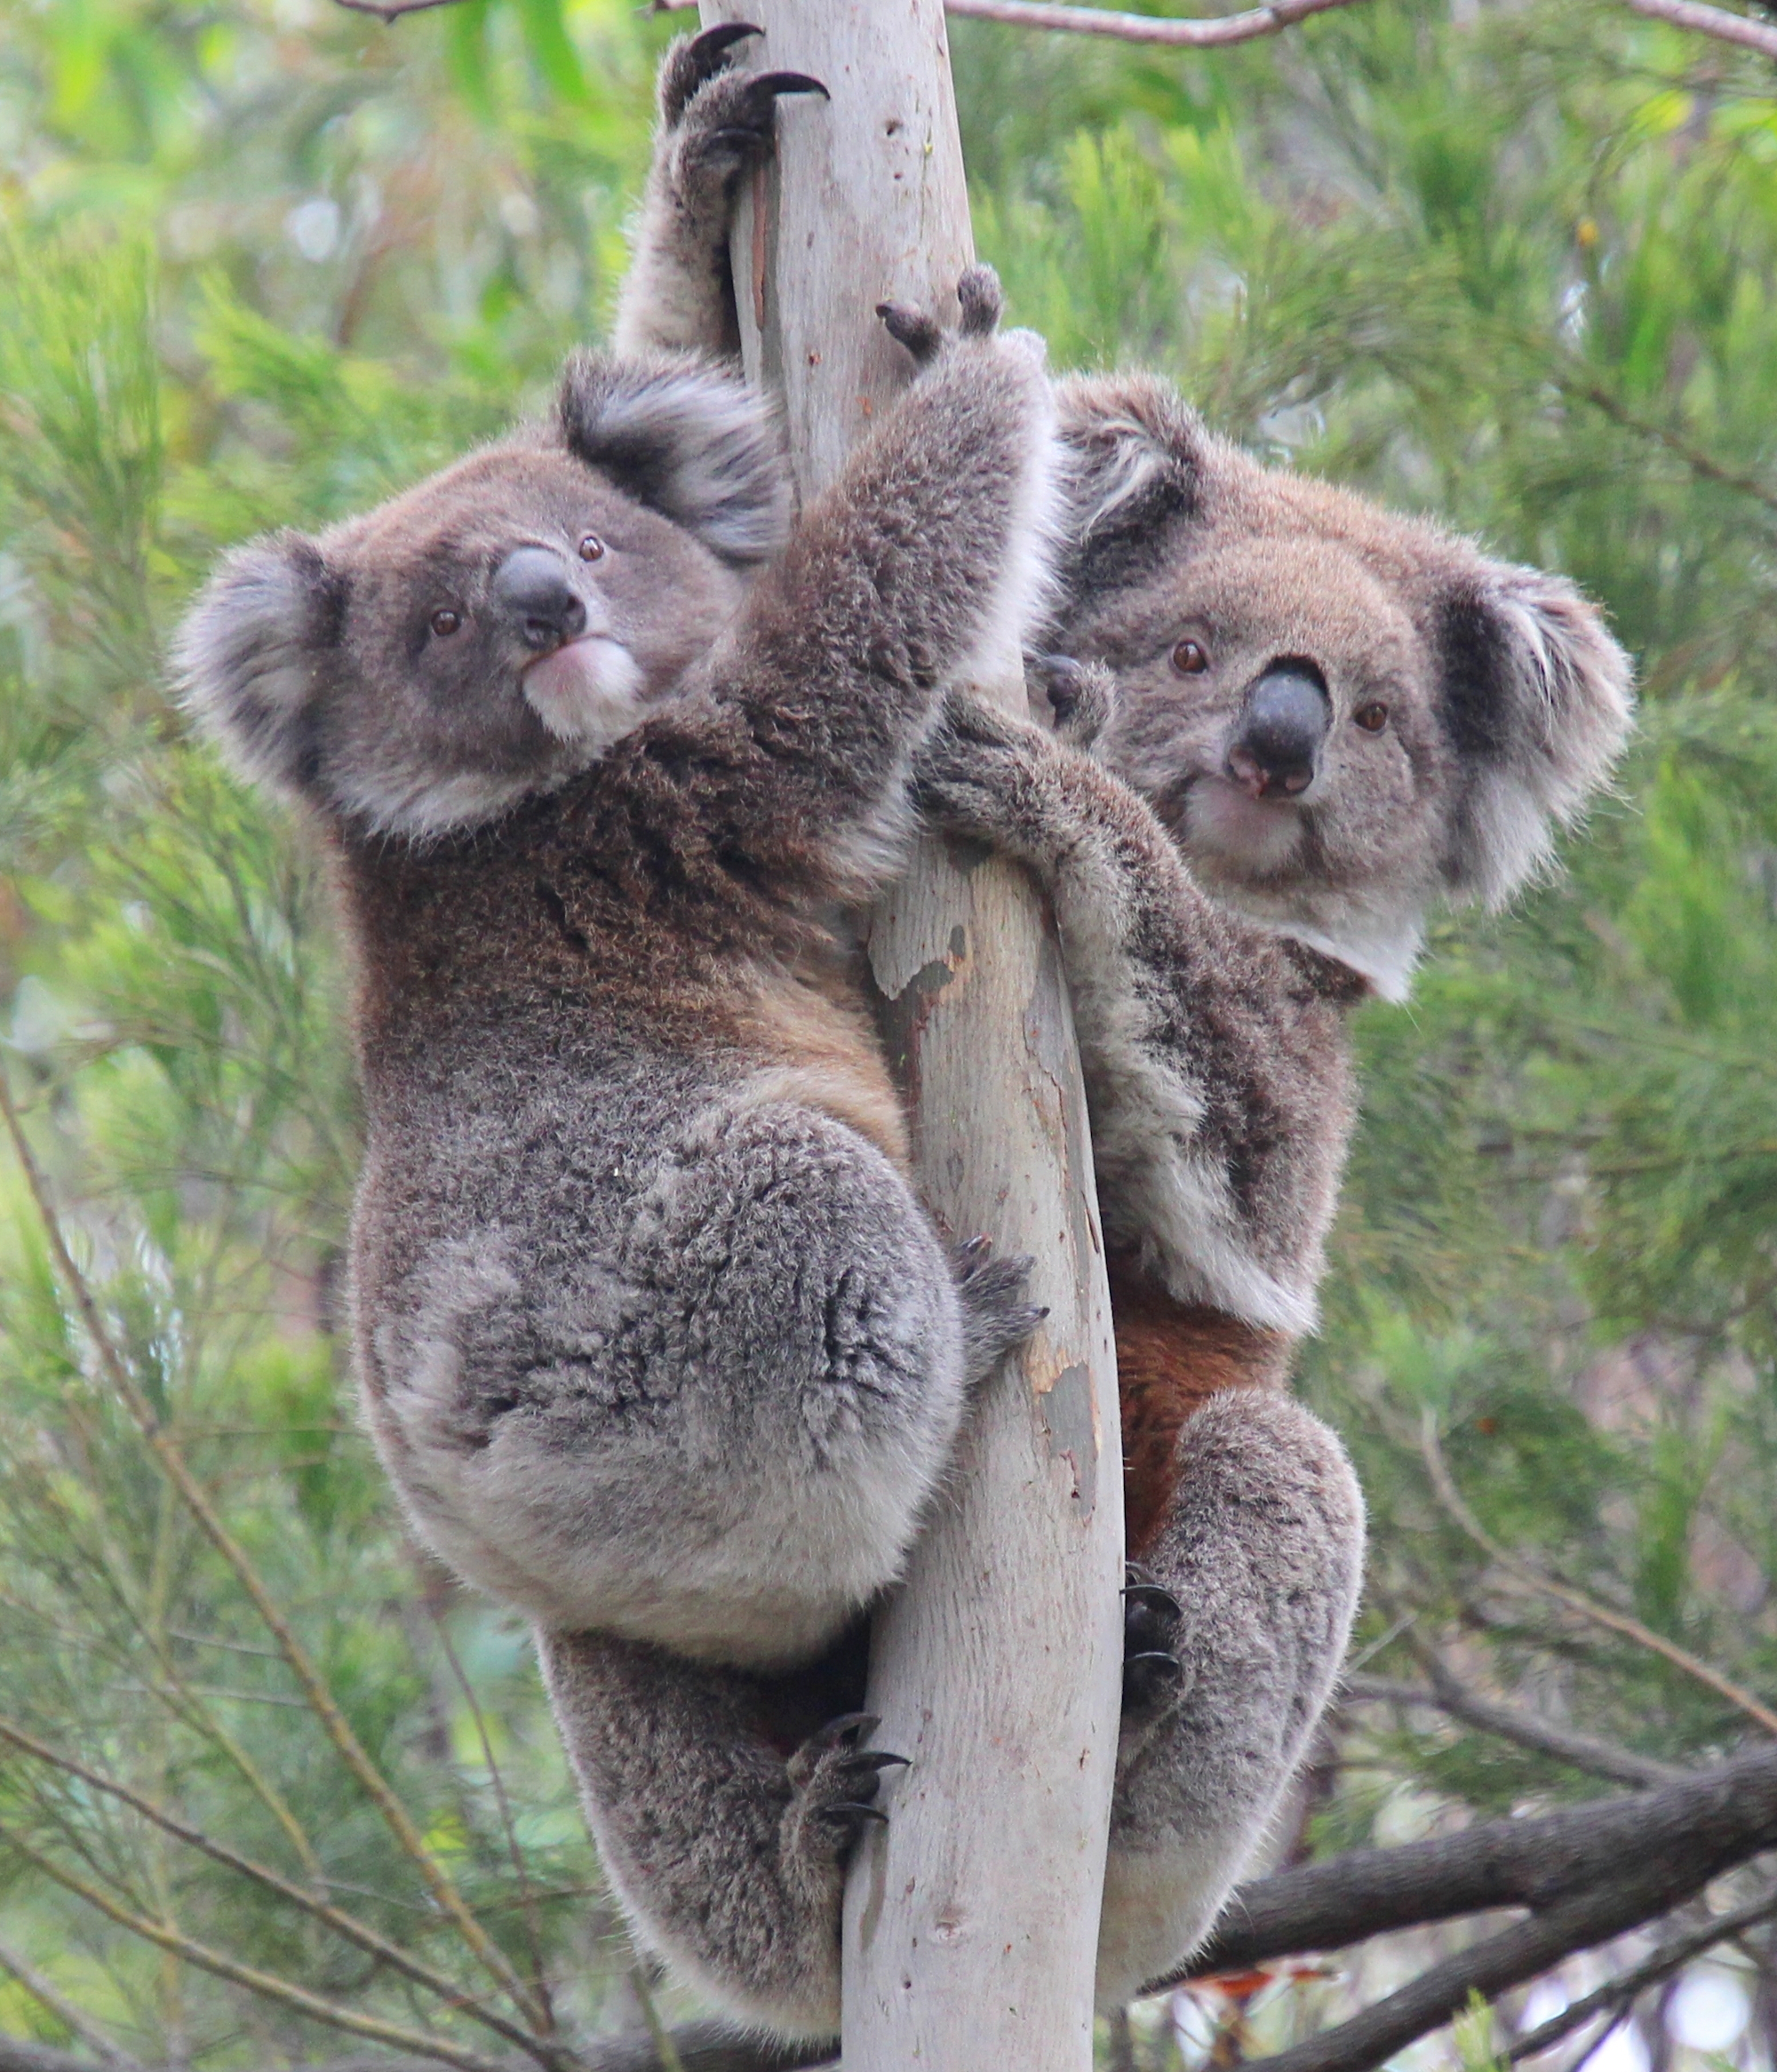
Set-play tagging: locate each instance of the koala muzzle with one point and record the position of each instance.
(1275, 749)
(532, 587)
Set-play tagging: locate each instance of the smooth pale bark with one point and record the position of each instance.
(972, 1919)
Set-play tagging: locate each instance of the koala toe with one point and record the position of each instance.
(836, 1782)
(731, 122)
(978, 292)
(694, 60)
(1153, 1670)
(997, 1314)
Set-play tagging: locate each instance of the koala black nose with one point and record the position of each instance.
(1277, 743)
(530, 585)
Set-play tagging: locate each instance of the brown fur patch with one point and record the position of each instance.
(1171, 1357)
(831, 1059)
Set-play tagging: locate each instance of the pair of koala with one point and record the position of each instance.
(655, 1336)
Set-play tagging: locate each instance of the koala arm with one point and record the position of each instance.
(1215, 1069)
(927, 556)
(713, 125)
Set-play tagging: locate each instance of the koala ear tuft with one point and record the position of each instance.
(1133, 458)
(1538, 703)
(686, 439)
(250, 660)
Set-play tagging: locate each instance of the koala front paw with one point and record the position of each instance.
(1082, 695)
(1152, 1671)
(835, 1783)
(997, 1314)
(724, 121)
(980, 773)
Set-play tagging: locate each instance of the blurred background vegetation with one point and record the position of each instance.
(264, 262)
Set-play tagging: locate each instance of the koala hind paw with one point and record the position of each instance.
(836, 1782)
(730, 124)
(1152, 1671)
(997, 1314)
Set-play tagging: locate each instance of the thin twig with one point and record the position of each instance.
(1681, 1658)
(1669, 1957)
(266, 1984)
(664, 2049)
(64, 2011)
(321, 1698)
(1510, 1723)
(1713, 21)
(388, 11)
(341, 1923)
(527, 1897)
(1146, 28)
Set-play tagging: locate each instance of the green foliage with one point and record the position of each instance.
(261, 265)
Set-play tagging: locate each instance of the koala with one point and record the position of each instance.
(656, 1340)
(1309, 720)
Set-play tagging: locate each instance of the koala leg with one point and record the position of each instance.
(729, 1859)
(714, 124)
(1237, 1630)
(717, 1428)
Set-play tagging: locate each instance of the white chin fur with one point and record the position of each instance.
(1223, 820)
(588, 693)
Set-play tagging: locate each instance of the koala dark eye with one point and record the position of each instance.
(445, 623)
(592, 548)
(1372, 717)
(1191, 657)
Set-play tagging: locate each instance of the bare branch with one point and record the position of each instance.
(1689, 1833)
(1713, 21)
(178, 1471)
(388, 11)
(1129, 28)
(1586, 1875)
(1669, 1957)
(1510, 1723)
(1147, 29)
(1588, 1607)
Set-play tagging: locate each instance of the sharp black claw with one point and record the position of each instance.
(854, 1727)
(848, 1810)
(781, 83)
(1153, 1597)
(1155, 1663)
(881, 1759)
(723, 37)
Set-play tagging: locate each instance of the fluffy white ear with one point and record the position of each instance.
(1538, 702)
(250, 660)
(682, 436)
(1131, 459)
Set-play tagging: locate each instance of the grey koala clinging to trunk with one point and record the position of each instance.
(1334, 717)
(655, 1339)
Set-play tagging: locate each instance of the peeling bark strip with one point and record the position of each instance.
(972, 1921)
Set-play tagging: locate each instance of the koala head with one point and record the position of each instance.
(494, 630)
(1341, 714)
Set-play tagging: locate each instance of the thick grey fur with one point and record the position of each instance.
(655, 1338)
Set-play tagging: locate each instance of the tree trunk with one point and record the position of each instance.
(972, 1920)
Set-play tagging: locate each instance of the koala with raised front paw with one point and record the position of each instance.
(1311, 720)
(655, 1338)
